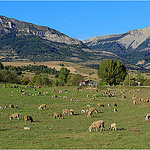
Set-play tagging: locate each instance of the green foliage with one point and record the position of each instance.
(42, 80)
(146, 82)
(63, 74)
(1, 66)
(8, 76)
(112, 72)
(74, 80)
(39, 69)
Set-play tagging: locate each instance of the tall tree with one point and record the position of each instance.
(112, 72)
(62, 77)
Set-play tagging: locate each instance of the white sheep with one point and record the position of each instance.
(113, 127)
(97, 124)
(82, 111)
(147, 117)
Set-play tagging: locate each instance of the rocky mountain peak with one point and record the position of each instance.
(8, 25)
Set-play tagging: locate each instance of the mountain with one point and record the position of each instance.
(25, 41)
(134, 45)
(22, 41)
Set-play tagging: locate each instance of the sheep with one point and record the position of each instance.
(114, 104)
(60, 92)
(100, 105)
(115, 110)
(89, 114)
(59, 115)
(66, 111)
(82, 111)
(113, 127)
(88, 106)
(134, 102)
(28, 118)
(71, 99)
(24, 93)
(109, 105)
(92, 109)
(11, 106)
(15, 115)
(92, 99)
(97, 124)
(55, 95)
(147, 117)
(39, 93)
(41, 107)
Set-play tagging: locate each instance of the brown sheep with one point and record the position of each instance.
(114, 104)
(11, 106)
(24, 93)
(28, 118)
(100, 105)
(66, 111)
(92, 109)
(59, 115)
(134, 102)
(89, 114)
(15, 115)
(97, 124)
(43, 106)
(92, 99)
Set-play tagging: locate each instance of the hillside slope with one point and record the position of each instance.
(134, 45)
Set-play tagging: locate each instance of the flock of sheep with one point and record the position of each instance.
(95, 125)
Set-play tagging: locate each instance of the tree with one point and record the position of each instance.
(112, 72)
(74, 79)
(1, 66)
(8, 76)
(62, 77)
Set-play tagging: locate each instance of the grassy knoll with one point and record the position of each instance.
(133, 131)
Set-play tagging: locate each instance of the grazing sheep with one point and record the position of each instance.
(41, 107)
(28, 118)
(26, 128)
(24, 93)
(88, 106)
(11, 106)
(92, 109)
(147, 117)
(92, 99)
(59, 115)
(113, 127)
(15, 115)
(97, 124)
(134, 102)
(39, 93)
(66, 111)
(114, 104)
(109, 105)
(115, 110)
(82, 111)
(71, 99)
(55, 95)
(100, 105)
(89, 114)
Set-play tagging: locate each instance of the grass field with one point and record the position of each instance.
(133, 132)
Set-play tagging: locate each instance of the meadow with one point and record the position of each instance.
(133, 132)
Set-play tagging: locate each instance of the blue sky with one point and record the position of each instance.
(81, 19)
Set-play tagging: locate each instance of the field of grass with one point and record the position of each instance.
(133, 132)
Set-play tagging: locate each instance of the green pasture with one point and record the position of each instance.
(133, 132)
